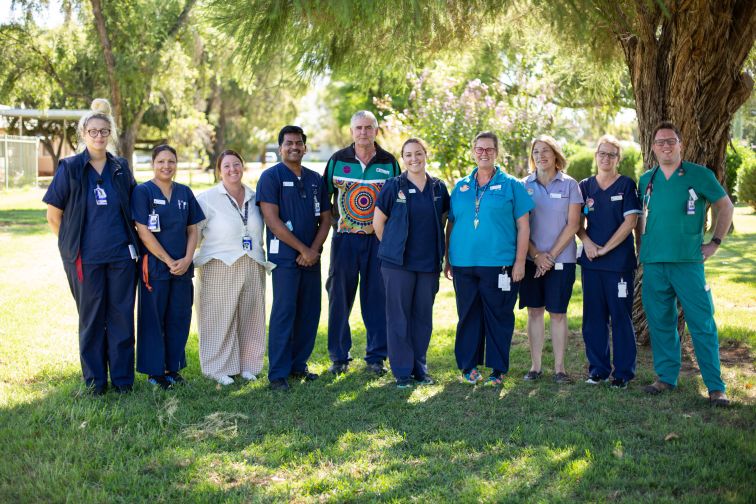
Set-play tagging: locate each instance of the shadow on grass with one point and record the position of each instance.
(358, 438)
(23, 222)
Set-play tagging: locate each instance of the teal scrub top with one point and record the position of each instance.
(494, 242)
(671, 234)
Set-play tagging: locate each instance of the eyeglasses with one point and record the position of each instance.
(104, 133)
(487, 150)
(666, 141)
(604, 155)
(301, 188)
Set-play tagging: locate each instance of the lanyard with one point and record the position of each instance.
(479, 195)
(243, 216)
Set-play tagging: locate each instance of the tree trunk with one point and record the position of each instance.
(686, 67)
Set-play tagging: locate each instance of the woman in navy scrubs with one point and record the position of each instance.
(487, 237)
(409, 219)
(552, 253)
(88, 208)
(166, 216)
(608, 264)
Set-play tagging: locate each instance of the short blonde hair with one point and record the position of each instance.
(611, 140)
(561, 161)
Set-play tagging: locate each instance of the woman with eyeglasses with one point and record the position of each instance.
(608, 265)
(550, 269)
(88, 209)
(409, 220)
(231, 280)
(166, 216)
(487, 241)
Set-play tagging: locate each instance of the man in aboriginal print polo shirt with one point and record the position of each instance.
(355, 176)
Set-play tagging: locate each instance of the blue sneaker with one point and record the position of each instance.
(472, 377)
(404, 383)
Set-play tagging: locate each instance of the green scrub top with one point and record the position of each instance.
(671, 234)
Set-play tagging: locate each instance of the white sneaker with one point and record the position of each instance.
(224, 380)
(248, 376)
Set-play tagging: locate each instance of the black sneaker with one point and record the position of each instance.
(160, 381)
(377, 368)
(404, 383)
(279, 385)
(619, 383)
(595, 380)
(123, 389)
(175, 378)
(304, 375)
(338, 368)
(533, 375)
(424, 380)
(562, 379)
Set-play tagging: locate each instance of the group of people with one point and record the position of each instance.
(396, 231)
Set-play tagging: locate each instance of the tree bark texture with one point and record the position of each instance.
(687, 67)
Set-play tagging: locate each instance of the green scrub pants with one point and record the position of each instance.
(662, 283)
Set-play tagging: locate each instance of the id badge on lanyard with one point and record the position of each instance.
(101, 197)
(505, 281)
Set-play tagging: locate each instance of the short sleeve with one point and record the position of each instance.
(58, 192)
(575, 197)
(140, 204)
(523, 203)
(445, 199)
(195, 211)
(323, 197)
(630, 201)
(268, 190)
(583, 186)
(385, 198)
(710, 187)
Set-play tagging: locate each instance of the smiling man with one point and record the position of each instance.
(674, 196)
(355, 176)
(297, 213)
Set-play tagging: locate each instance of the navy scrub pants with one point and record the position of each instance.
(165, 315)
(601, 304)
(104, 298)
(354, 259)
(294, 320)
(486, 317)
(409, 318)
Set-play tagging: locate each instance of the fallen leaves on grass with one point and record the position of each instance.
(671, 436)
(221, 424)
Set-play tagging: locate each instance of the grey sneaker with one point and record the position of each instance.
(533, 375)
(562, 379)
(377, 368)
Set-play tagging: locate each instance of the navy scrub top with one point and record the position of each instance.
(104, 238)
(420, 249)
(176, 214)
(605, 211)
(300, 201)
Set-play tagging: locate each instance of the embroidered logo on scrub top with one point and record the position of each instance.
(401, 195)
(464, 188)
(530, 191)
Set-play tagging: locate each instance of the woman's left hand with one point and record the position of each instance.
(181, 266)
(518, 271)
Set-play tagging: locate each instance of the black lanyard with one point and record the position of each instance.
(245, 216)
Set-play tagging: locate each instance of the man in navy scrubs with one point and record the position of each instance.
(297, 212)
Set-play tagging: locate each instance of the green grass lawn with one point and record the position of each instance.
(356, 438)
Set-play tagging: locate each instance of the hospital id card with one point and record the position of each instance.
(505, 282)
(101, 197)
(274, 245)
(247, 242)
(153, 222)
(558, 266)
(622, 289)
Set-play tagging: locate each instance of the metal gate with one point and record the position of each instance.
(18, 161)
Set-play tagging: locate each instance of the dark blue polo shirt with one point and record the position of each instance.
(104, 238)
(300, 202)
(420, 249)
(176, 214)
(605, 211)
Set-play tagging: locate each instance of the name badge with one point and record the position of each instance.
(622, 289)
(505, 282)
(247, 242)
(691, 207)
(381, 170)
(274, 244)
(158, 201)
(496, 187)
(617, 197)
(288, 183)
(101, 197)
(412, 191)
(317, 208)
(153, 222)
(132, 252)
(559, 266)
(555, 195)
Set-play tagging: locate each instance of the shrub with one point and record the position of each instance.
(580, 163)
(736, 156)
(631, 164)
(746, 188)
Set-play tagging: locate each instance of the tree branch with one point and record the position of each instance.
(107, 52)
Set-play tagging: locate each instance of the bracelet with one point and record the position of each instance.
(536, 256)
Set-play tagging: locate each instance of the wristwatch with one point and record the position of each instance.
(716, 240)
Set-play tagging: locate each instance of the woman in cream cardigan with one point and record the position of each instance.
(231, 286)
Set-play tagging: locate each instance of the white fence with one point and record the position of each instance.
(18, 161)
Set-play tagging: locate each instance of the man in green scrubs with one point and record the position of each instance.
(674, 196)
